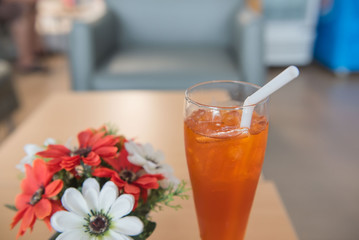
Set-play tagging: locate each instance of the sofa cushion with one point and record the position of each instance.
(164, 68)
(172, 22)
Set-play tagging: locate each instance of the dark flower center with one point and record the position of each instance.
(37, 196)
(98, 224)
(128, 176)
(83, 151)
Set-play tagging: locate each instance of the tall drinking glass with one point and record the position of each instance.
(224, 160)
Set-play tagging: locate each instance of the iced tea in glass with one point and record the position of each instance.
(224, 160)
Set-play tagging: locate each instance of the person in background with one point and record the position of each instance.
(20, 16)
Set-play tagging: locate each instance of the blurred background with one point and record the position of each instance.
(51, 46)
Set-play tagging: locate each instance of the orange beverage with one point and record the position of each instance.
(224, 163)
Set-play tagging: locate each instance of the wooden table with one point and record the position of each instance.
(149, 116)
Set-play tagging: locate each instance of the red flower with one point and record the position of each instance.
(93, 145)
(35, 200)
(127, 176)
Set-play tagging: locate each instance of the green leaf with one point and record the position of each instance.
(168, 195)
(53, 237)
(11, 207)
(111, 129)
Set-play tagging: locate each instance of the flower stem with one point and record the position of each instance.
(53, 237)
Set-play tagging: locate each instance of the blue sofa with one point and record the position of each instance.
(165, 44)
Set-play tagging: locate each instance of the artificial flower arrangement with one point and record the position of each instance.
(104, 188)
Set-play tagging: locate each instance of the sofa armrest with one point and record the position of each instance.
(90, 44)
(249, 46)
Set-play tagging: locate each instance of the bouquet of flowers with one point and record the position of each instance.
(104, 188)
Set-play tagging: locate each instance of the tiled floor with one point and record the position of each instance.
(33, 89)
(312, 153)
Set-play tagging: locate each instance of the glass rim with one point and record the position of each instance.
(190, 100)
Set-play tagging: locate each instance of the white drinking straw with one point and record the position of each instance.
(276, 83)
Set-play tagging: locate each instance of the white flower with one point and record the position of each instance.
(144, 156)
(31, 150)
(152, 161)
(96, 214)
(170, 179)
